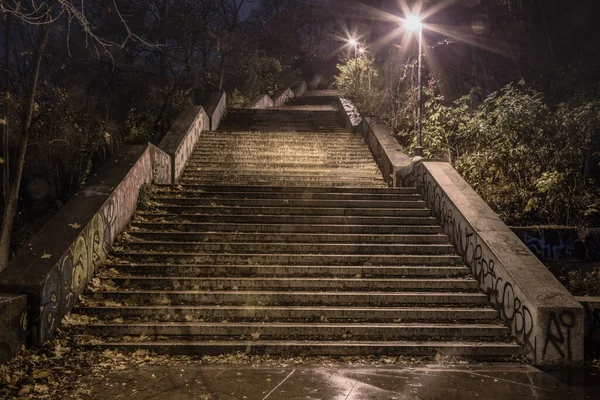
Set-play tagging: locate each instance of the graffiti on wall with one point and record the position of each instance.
(186, 148)
(77, 266)
(554, 244)
(161, 163)
(500, 290)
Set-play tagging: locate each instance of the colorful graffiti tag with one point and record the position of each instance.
(77, 266)
(554, 244)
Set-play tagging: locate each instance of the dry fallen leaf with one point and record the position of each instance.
(25, 390)
(41, 374)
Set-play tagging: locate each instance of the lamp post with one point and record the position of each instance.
(413, 23)
(354, 43)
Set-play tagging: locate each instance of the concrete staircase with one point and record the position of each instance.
(287, 241)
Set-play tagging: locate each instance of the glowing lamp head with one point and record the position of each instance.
(413, 23)
(361, 50)
(352, 42)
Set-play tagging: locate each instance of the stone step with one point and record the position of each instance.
(290, 259)
(286, 228)
(282, 164)
(216, 237)
(316, 146)
(279, 114)
(295, 137)
(292, 283)
(221, 210)
(306, 199)
(295, 248)
(288, 297)
(278, 330)
(310, 101)
(225, 141)
(267, 164)
(282, 156)
(255, 201)
(295, 177)
(196, 270)
(339, 173)
(316, 169)
(289, 190)
(293, 119)
(273, 313)
(288, 127)
(287, 219)
(299, 137)
(269, 199)
(289, 182)
(471, 349)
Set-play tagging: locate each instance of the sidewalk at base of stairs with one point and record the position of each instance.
(339, 382)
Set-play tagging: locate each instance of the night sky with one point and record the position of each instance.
(249, 6)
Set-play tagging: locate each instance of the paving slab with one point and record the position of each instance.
(343, 382)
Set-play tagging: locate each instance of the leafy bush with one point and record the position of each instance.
(533, 163)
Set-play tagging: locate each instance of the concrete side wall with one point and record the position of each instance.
(215, 107)
(351, 118)
(61, 259)
(162, 166)
(13, 325)
(282, 96)
(543, 315)
(180, 140)
(262, 102)
(384, 148)
(299, 88)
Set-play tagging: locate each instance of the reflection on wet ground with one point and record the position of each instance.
(339, 382)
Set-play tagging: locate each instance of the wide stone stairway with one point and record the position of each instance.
(283, 238)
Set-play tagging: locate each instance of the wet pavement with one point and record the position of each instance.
(340, 382)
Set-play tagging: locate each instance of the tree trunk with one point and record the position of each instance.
(10, 210)
(4, 178)
(222, 72)
(163, 41)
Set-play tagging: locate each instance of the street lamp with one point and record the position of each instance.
(413, 24)
(354, 43)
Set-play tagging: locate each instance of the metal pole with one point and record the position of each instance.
(419, 148)
(356, 70)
